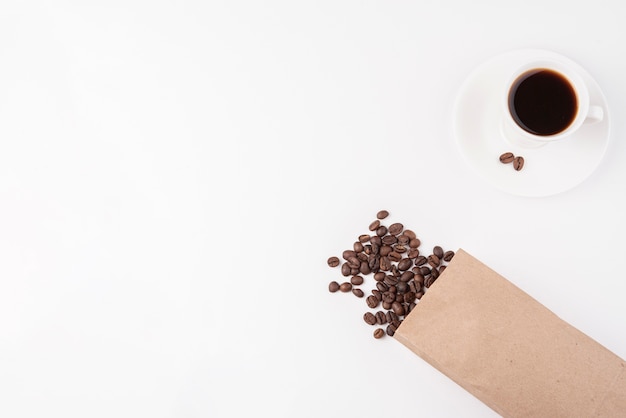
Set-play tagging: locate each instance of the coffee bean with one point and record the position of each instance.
(413, 253)
(394, 256)
(418, 295)
(389, 297)
(398, 309)
(387, 305)
(379, 333)
(396, 228)
(385, 263)
(357, 280)
(392, 289)
(407, 276)
(434, 272)
(391, 330)
(389, 239)
(373, 261)
(507, 157)
(369, 318)
(354, 262)
(428, 281)
(376, 240)
(405, 264)
(389, 317)
(372, 301)
(345, 287)
(409, 234)
(419, 279)
(421, 260)
(376, 293)
(518, 163)
(362, 257)
(414, 243)
(433, 260)
(381, 318)
(409, 297)
(400, 249)
(367, 249)
(381, 231)
(365, 268)
(392, 318)
(441, 269)
(394, 271)
(348, 254)
(447, 256)
(391, 280)
(358, 247)
(374, 225)
(402, 287)
(345, 269)
(403, 239)
(364, 238)
(385, 250)
(381, 286)
(358, 293)
(380, 276)
(333, 261)
(382, 214)
(438, 251)
(425, 271)
(333, 287)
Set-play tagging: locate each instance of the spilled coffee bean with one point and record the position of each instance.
(401, 274)
(507, 157)
(518, 163)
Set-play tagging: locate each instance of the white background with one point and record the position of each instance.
(174, 175)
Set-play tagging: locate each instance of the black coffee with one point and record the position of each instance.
(542, 102)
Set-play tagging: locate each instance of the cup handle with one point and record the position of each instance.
(595, 114)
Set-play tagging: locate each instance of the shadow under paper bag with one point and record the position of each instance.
(509, 350)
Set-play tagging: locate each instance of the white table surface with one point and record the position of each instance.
(174, 175)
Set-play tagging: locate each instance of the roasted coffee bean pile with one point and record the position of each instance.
(402, 274)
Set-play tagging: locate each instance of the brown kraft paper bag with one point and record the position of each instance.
(509, 350)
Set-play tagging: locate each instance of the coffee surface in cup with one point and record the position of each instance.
(543, 102)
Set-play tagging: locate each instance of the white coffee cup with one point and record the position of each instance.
(546, 101)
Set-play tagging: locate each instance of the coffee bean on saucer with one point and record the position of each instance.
(507, 157)
(518, 163)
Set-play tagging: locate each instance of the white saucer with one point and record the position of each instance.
(548, 170)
